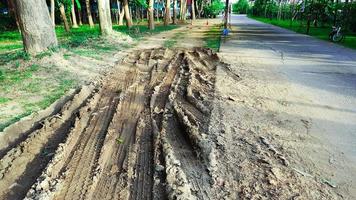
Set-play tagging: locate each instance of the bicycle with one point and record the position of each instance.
(336, 35)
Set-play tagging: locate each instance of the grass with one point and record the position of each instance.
(213, 37)
(139, 31)
(11, 43)
(318, 32)
(25, 90)
(172, 41)
(29, 84)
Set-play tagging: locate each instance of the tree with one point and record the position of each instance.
(151, 22)
(105, 17)
(193, 10)
(214, 8)
(121, 16)
(62, 10)
(37, 29)
(74, 18)
(240, 7)
(174, 12)
(90, 18)
(52, 12)
(127, 14)
(183, 8)
(79, 6)
(167, 17)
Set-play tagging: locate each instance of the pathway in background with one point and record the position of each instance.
(308, 88)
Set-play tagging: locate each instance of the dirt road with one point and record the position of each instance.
(139, 134)
(300, 93)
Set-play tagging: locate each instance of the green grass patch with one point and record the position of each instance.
(53, 93)
(171, 42)
(13, 120)
(139, 31)
(318, 32)
(4, 100)
(213, 37)
(36, 87)
(10, 77)
(11, 47)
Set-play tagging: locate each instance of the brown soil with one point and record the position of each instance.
(138, 134)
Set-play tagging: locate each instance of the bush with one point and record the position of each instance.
(214, 8)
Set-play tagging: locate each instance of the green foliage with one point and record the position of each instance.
(318, 32)
(77, 2)
(319, 13)
(214, 8)
(241, 7)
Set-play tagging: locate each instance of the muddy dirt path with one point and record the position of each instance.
(140, 133)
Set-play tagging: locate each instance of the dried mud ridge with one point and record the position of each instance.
(139, 134)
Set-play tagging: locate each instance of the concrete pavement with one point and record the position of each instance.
(321, 79)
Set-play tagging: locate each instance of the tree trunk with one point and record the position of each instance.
(38, 36)
(181, 9)
(226, 14)
(74, 18)
(167, 17)
(127, 14)
(183, 5)
(121, 17)
(105, 17)
(64, 17)
(52, 13)
(174, 12)
(90, 17)
(151, 19)
(193, 10)
(80, 17)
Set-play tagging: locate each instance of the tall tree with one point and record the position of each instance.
(62, 10)
(74, 18)
(226, 14)
(37, 29)
(90, 18)
(121, 16)
(174, 12)
(52, 12)
(127, 14)
(183, 8)
(193, 9)
(167, 17)
(151, 23)
(79, 7)
(105, 17)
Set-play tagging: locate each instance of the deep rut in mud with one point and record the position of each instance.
(142, 133)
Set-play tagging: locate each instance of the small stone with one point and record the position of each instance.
(159, 168)
(45, 185)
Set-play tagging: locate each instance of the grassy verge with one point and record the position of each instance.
(26, 86)
(213, 37)
(171, 42)
(11, 43)
(318, 32)
(24, 91)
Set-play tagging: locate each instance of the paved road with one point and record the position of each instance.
(321, 73)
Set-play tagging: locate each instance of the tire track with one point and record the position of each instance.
(141, 135)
